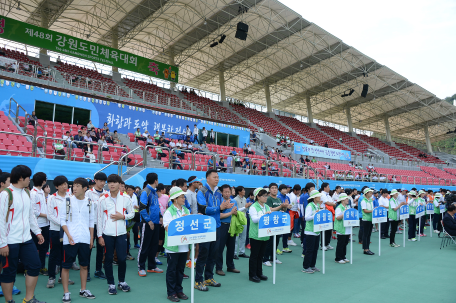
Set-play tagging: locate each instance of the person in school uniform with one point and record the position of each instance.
(56, 203)
(39, 202)
(257, 244)
(17, 223)
(176, 255)
(94, 195)
(367, 206)
(383, 201)
(393, 215)
(312, 238)
(77, 221)
(195, 133)
(437, 217)
(412, 203)
(343, 233)
(212, 136)
(204, 134)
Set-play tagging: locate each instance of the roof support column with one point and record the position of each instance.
(428, 139)
(115, 45)
(349, 119)
(309, 110)
(267, 92)
(44, 24)
(172, 85)
(387, 128)
(222, 83)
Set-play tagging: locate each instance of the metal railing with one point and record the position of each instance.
(124, 158)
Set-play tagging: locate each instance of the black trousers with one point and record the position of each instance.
(175, 272)
(412, 227)
(367, 231)
(268, 254)
(328, 235)
(42, 248)
(341, 249)
(393, 224)
(55, 255)
(118, 244)
(149, 246)
(257, 250)
(423, 222)
(224, 239)
(100, 252)
(206, 260)
(384, 227)
(310, 258)
(361, 231)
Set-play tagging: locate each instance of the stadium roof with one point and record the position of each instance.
(294, 56)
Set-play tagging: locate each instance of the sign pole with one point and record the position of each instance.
(379, 239)
(351, 246)
(192, 292)
(323, 249)
(404, 232)
(419, 228)
(274, 250)
(430, 224)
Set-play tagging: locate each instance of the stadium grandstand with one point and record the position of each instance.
(256, 101)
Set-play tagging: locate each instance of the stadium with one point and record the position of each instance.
(248, 88)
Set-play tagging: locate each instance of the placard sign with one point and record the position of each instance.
(351, 217)
(442, 208)
(419, 211)
(191, 229)
(404, 212)
(323, 220)
(379, 215)
(430, 208)
(275, 223)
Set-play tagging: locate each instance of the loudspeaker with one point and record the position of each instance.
(241, 31)
(365, 89)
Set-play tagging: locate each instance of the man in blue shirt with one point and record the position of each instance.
(211, 197)
(302, 208)
(282, 195)
(151, 218)
(223, 235)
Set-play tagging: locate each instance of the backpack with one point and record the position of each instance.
(68, 208)
(10, 200)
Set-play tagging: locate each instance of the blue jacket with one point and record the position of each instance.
(212, 200)
(375, 201)
(154, 209)
(228, 219)
(303, 201)
(283, 198)
(360, 209)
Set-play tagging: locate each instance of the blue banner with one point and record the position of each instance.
(442, 208)
(379, 215)
(323, 220)
(123, 118)
(322, 152)
(191, 229)
(351, 217)
(404, 212)
(419, 211)
(275, 223)
(430, 208)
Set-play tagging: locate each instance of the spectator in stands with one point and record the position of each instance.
(79, 137)
(90, 125)
(150, 141)
(59, 148)
(105, 125)
(195, 133)
(245, 149)
(67, 140)
(108, 136)
(87, 137)
(210, 163)
(179, 144)
(32, 118)
(138, 135)
(164, 138)
(47, 71)
(204, 135)
(13, 67)
(237, 161)
(145, 135)
(222, 167)
(88, 152)
(103, 144)
(312, 142)
(340, 139)
(124, 151)
(233, 152)
(326, 145)
(249, 150)
(172, 144)
(229, 163)
(314, 160)
(176, 162)
(93, 134)
(212, 136)
(188, 133)
(58, 59)
(27, 67)
(160, 153)
(157, 137)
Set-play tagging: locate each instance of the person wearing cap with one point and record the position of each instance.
(383, 201)
(367, 206)
(437, 217)
(421, 201)
(176, 255)
(412, 203)
(94, 194)
(258, 244)
(327, 203)
(243, 205)
(312, 238)
(210, 196)
(393, 215)
(343, 233)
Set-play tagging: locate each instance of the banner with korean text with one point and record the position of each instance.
(322, 152)
(22, 32)
(191, 229)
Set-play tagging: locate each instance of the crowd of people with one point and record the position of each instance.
(103, 212)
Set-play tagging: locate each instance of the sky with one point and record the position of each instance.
(416, 39)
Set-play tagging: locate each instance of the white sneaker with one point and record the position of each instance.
(267, 263)
(302, 256)
(399, 232)
(436, 231)
(412, 240)
(341, 262)
(278, 261)
(290, 242)
(329, 247)
(347, 261)
(323, 248)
